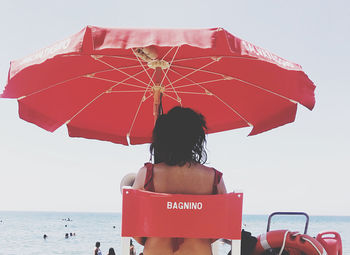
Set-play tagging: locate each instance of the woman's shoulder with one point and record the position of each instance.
(140, 178)
(206, 168)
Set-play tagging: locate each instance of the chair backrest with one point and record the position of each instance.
(147, 214)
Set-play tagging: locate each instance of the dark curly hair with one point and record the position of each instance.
(179, 137)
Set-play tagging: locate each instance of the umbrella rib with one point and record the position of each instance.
(106, 91)
(171, 62)
(240, 80)
(127, 84)
(121, 68)
(89, 75)
(120, 82)
(227, 105)
(201, 70)
(202, 82)
(164, 93)
(114, 56)
(266, 90)
(117, 69)
(112, 69)
(166, 76)
(137, 112)
(209, 93)
(144, 98)
(177, 100)
(100, 55)
(151, 79)
(192, 93)
(68, 121)
(206, 57)
(168, 52)
(195, 70)
(126, 91)
(51, 86)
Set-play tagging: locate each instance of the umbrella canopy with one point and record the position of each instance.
(111, 83)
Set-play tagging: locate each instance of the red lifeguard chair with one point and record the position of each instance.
(150, 214)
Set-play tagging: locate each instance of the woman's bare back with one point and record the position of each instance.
(194, 179)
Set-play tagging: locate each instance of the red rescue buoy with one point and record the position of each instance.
(331, 241)
(286, 240)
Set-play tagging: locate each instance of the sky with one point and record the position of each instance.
(302, 166)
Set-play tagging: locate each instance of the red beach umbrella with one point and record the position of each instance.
(111, 83)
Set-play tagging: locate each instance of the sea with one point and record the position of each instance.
(22, 233)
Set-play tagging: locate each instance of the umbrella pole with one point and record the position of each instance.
(157, 98)
(157, 94)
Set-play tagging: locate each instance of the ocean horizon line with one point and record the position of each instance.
(119, 212)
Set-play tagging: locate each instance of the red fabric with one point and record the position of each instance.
(217, 178)
(149, 186)
(147, 214)
(93, 82)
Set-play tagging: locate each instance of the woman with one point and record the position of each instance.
(97, 249)
(111, 251)
(178, 149)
